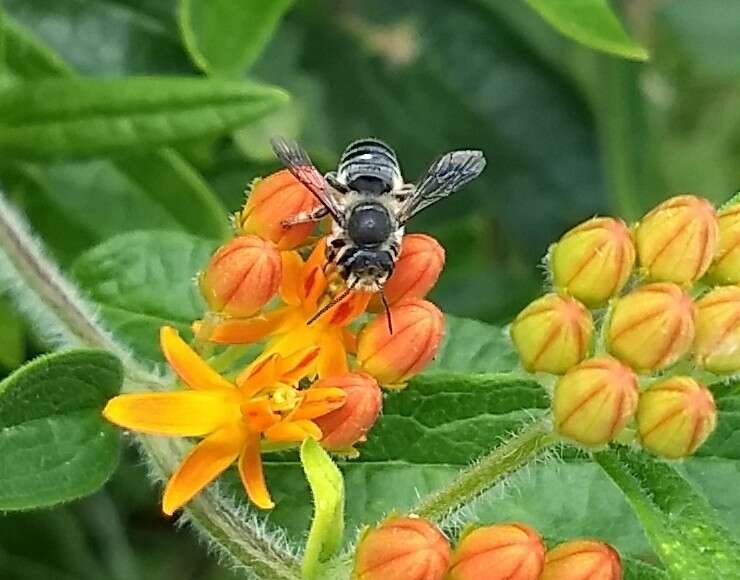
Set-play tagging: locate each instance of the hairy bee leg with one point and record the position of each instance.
(304, 217)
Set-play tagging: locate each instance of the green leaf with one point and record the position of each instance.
(55, 445)
(225, 37)
(327, 527)
(84, 117)
(590, 22)
(683, 528)
(12, 337)
(725, 441)
(143, 280)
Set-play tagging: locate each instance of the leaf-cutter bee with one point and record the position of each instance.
(370, 204)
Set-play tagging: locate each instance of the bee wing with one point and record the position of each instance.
(445, 176)
(296, 160)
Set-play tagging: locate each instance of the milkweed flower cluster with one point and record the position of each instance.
(320, 380)
(665, 293)
(412, 548)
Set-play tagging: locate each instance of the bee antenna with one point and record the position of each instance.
(330, 305)
(388, 316)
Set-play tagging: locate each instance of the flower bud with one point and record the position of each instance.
(675, 416)
(552, 334)
(677, 240)
(500, 552)
(582, 560)
(594, 400)
(408, 548)
(272, 200)
(348, 425)
(726, 267)
(594, 260)
(418, 327)
(651, 327)
(242, 276)
(416, 272)
(717, 343)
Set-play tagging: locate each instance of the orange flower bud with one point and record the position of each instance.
(677, 240)
(594, 260)
(242, 276)
(552, 334)
(408, 548)
(348, 425)
(594, 400)
(500, 552)
(417, 270)
(717, 343)
(675, 416)
(726, 267)
(273, 199)
(582, 560)
(418, 327)
(651, 327)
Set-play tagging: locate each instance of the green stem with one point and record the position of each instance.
(517, 452)
(58, 314)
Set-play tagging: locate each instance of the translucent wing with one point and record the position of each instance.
(296, 160)
(446, 175)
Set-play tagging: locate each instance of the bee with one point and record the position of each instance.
(370, 204)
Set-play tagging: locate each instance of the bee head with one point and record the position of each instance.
(370, 268)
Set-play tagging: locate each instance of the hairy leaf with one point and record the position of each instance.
(224, 37)
(83, 117)
(55, 445)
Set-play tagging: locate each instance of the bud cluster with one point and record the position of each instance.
(411, 548)
(269, 281)
(648, 278)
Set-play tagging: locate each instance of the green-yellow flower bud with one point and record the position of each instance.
(726, 266)
(552, 334)
(677, 240)
(594, 400)
(675, 416)
(651, 327)
(593, 261)
(717, 343)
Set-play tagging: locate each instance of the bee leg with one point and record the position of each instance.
(306, 216)
(331, 179)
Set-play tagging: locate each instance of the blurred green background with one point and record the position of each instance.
(568, 132)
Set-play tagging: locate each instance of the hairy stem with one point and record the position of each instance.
(62, 318)
(522, 448)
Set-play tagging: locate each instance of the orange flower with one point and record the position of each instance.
(273, 199)
(582, 560)
(233, 418)
(305, 289)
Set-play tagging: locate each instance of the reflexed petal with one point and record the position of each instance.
(333, 356)
(261, 374)
(290, 290)
(187, 364)
(250, 470)
(293, 431)
(247, 330)
(259, 415)
(318, 401)
(297, 365)
(202, 465)
(183, 413)
(349, 340)
(313, 279)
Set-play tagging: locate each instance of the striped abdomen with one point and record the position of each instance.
(369, 166)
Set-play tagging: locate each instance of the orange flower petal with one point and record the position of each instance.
(183, 413)
(293, 431)
(192, 369)
(297, 365)
(202, 465)
(332, 357)
(259, 415)
(250, 470)
(259, 375)
(348, 309)
(247, 330)
(313, 279)
(290, 290)
(318, 401)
